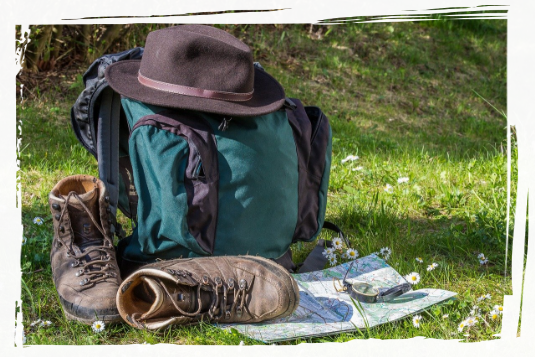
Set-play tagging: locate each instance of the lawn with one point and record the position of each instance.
(422, 106)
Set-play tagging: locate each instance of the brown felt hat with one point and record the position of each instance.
(199, 68)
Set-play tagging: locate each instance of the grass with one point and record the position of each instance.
(417, 100)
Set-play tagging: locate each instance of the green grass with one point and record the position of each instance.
(417, 100)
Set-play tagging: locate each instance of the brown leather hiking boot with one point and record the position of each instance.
(83, 260)
(224, 289)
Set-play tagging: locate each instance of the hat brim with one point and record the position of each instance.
(268, 95)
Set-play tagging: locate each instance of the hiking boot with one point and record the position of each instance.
(225, 289)
(82, 258)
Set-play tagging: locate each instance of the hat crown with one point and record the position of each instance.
(198, 56)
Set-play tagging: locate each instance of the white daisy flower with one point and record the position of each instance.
(403, 180)
(461, 326)
(432, 267)
(332, 260)
(98, 326)
(388, 188)
(494, 315)
(351, 253)
(327, 252)
(337, 243)
(38, 221)
(385, 251)
(499, 308)
(471, 321)
(36, 322)
(413, 278)
(24, 240)
(46, 323)
(481, 256)
(358, 168)
(350, 158)
(143, 347)
(416, 320)
(483, 262)
(375, 253)
(242, 343)
(419, 260)
(490, 345)
(18, 330)
(445, 316)
(487, 296)
(20, 339)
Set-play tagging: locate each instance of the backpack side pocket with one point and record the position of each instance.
(179, 166)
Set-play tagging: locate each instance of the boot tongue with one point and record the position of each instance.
(183, 296)
(85, 231)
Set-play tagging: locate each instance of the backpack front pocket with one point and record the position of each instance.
(174, 156)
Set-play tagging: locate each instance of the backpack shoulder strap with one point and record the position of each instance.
(95, 119)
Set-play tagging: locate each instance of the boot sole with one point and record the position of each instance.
(108, 319)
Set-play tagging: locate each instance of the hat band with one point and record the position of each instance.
(192, 91)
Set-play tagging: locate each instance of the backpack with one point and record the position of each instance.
(197, 184)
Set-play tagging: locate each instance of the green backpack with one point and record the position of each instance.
(199, 184)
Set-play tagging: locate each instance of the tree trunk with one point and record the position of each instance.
(108, 38)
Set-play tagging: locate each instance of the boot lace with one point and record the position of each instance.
(222, 304)
(96, 270)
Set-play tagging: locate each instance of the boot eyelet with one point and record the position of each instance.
(231, 283)
(83, 282)
(107, 198)
(80, 272)
(62, 229)
(227, 314)
(75, 263)
(57, 216)
(56, 206)
(218, 281)
(205, 280)
(243, 284)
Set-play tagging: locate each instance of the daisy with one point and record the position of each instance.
(494, 314)
(461, 326)
(46, 323)
(20, 339)
(433, 266)
(327, 252)
(487, 296)
(484, 261)
(445, 316)
(385, 251)
(242, 343)
(38, 221)
(403, 180)
(350, 158)
(389, 188)
(98, 326)
(413, 278)
(419, 260)
(490, 345)
(416, 320)
(24, 240)
(332, 260)
(351, 254)
(499, 308)
(36, 322)
(481, 256)
(471, 321)
(358, 168)
(337, 243)
(144, 347)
